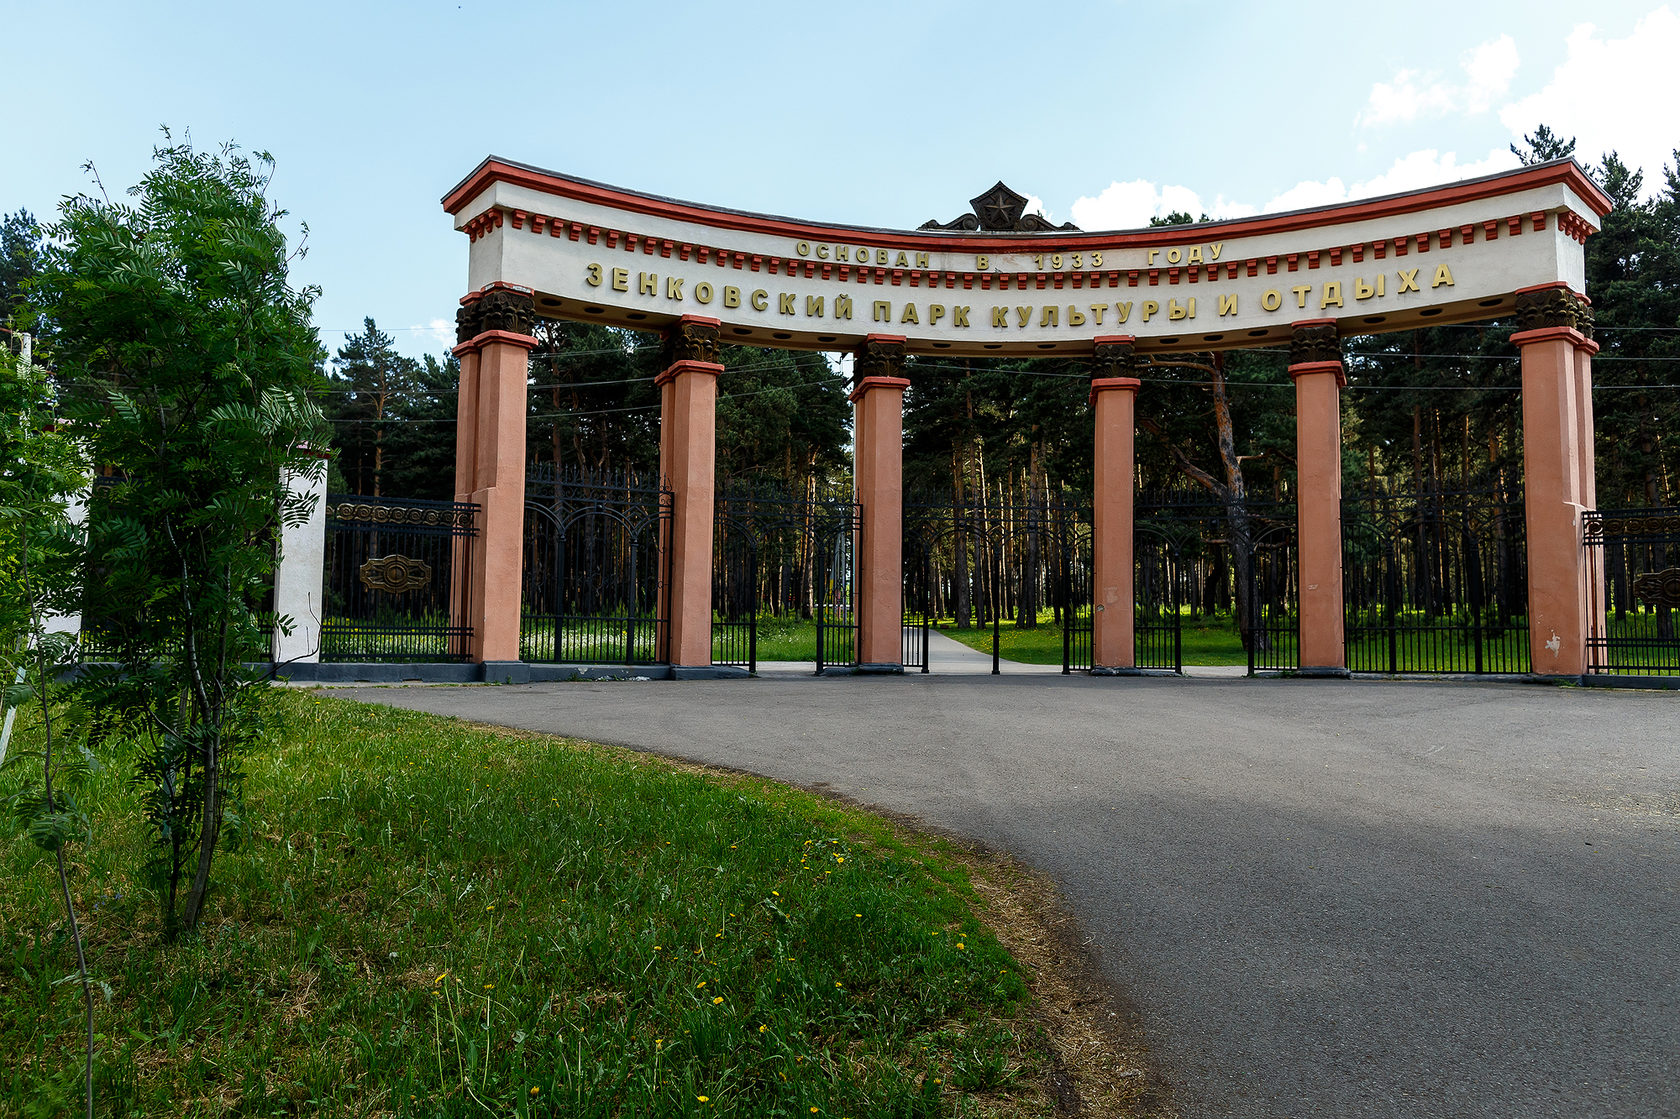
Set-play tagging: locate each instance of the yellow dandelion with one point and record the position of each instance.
(659, 1043)
(490, 907)
(813, 1111)
(761, 1029)
(489, 986)
(839, 858)
(704, 1099)
(717, 1000)
(837, 984)
(536, 1091)
(700, 984)
(960, 944)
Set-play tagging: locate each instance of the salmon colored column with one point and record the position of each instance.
(466, 442)
(687, 464)
(1557, 476)
(1587, 485)
(494, 437)
(1114, 400)
(1315, 365)
(878, 478)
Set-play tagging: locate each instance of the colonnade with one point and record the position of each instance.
(1554, 339)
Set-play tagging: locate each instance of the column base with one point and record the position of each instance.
(1105, 670)
(709, 672)
(507, 672)
(1324, 672)
(877, 668)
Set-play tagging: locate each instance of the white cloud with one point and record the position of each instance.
(440, 330)
(1612, 95)
(1131, 205)
(1425, 168)
(1035, 205)
(1416, 94)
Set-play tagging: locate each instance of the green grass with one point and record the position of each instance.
(426, 918)
(1206, 641)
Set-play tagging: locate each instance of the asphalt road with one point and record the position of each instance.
(1341, 898)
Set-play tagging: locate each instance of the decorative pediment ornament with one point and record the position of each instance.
(1550, 307)
(692, 341)
(1315, 343)
(395, 574)
(1658, 588)
(1114, 359)
(999, 210)
(505, 309)
(876, 358)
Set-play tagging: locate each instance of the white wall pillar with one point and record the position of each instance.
(299, 583)
(75, 508)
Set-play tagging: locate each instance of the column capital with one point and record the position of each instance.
(1552, 305)
(505, 311)
(1113, 356)
(1314, 342)
(881, 355)
(694, 338)
(1552, 334)
(869, 383)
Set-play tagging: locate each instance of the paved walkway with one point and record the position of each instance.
(1339, 898)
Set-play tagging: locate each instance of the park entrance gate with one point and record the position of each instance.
(999, 282)
(970, 569)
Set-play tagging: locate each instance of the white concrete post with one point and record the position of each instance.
(299, 586)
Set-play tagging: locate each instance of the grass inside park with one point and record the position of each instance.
(428, 918)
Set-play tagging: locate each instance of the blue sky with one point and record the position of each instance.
(882, 114)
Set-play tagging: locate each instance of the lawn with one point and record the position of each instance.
(1207, 640)
(428, 918)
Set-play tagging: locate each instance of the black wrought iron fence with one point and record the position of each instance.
(1634, 590)
(1435, 582)
(783, 563)
(594, 583)
(397, 579)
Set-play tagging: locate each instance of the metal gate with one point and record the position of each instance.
(786, 561)
(1224, 569)
(396, 574)
(973, 567)
(1634, 587)
(1436, 582)
(594, 587)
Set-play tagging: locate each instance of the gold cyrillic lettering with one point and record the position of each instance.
(902, 261)
(1000, 316)
(883, 311)
(760, 299)
(673, 287)
(1174, 255)
(1271, 299)
(842, 252)
(842, 306)
(1215, 249)
(784, 303)
(981, 263)
(1153, 253)
(647, 283)
(959, 316)
(803, 248)
(1301, 292)
(1149, 308)
(921, 260)
(1331, 296)
(1443, 276)
(1049, 316)
(1175, 312)
(731, 296)
(1362, 290)
(813, 306)
(1227, 305)
(909, 314)
(702, 292)
(822, 252)
(1076, 317)
(882, 256)
(1023, 316)
(621, 279)
(594, 278)
(1195, 256)
(1408, 282)
(936, 311)
(1123, 311)
(1097, 310)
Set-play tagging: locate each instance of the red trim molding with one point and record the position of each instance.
(508, 337)
(868, 383)
(1548, 334)
(678, 368)
(1307, 368)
